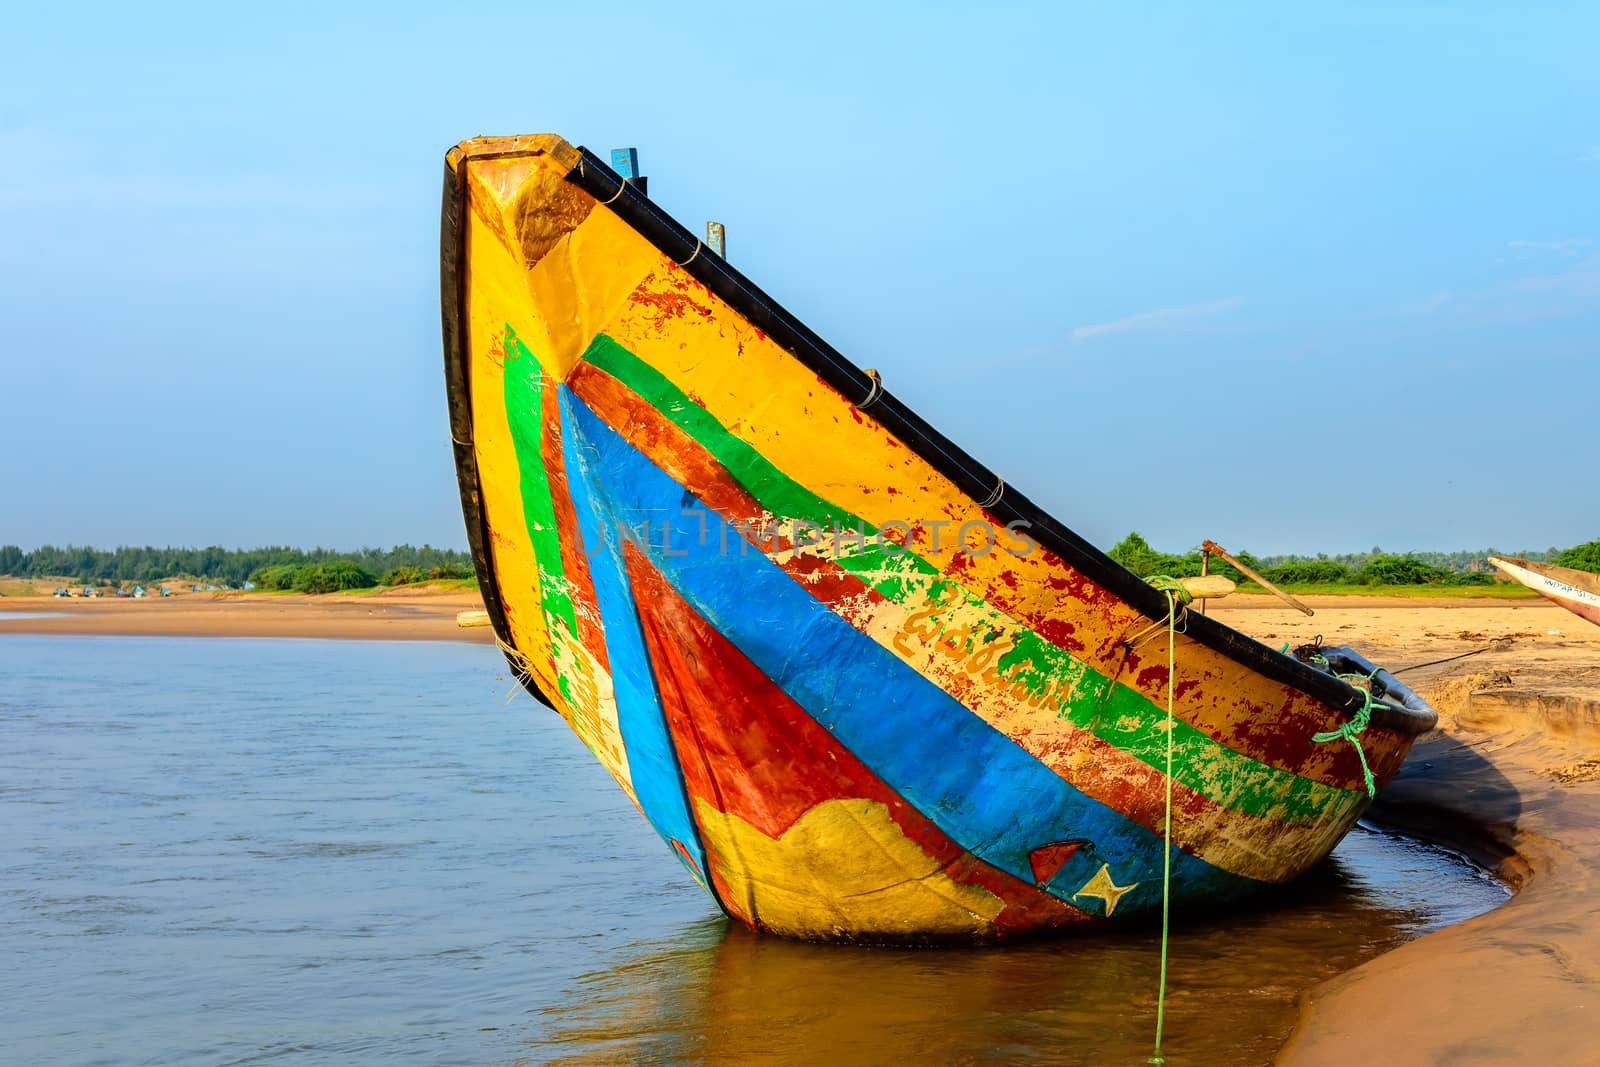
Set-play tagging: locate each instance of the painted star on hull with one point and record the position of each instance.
(1103, 887)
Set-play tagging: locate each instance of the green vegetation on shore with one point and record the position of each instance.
(1403, 574)
(233, 567)
(334, 576)
(1584, 557)
(322, 570)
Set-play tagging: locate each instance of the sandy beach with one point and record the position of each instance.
(406, 613)
(1511, 778)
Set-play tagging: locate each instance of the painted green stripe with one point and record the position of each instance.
(523, 397)
(1115, 713)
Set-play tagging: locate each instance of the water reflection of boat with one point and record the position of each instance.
(1577, 591)
(701, 996)
(861, 687)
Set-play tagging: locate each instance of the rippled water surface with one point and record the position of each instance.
(241, 851)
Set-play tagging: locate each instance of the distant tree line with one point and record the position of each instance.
(1363, 568)
(233, 566)
(326, 569)
(1464, 560)
(334, 575)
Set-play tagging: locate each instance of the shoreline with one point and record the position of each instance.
(1511, 985)
(404, 613)
(1511, 779)
(423, 613)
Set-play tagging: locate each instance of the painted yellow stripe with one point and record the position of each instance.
(1237, 814)
(844, 869)
(1038, 673)
(816, 437)
(567, 673)
(587, 282)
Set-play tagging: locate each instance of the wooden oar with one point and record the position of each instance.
(1213, 549)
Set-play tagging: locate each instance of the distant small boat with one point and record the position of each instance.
(713, 545)
(1577, 591)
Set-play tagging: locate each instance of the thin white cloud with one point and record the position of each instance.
(1433, 304)
(1161, 320)
(1591, 156)
(1581, 283)
(1564, 246)
(1565, 290)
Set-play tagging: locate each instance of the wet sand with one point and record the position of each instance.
(1512, 778)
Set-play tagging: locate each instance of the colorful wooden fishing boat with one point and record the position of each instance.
(1577, 591)
(862, 688)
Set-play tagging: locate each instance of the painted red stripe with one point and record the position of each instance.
(750, 751)
(1260, 736)
(1110, 775)
(574, 563)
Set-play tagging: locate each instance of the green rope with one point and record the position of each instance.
(1356, 725)
(1176, 594)
(1173, 587)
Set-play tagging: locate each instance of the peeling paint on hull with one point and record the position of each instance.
(856, 697)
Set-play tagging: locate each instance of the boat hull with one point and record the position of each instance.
(861, 689)
(1577, 591)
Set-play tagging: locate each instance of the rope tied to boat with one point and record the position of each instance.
(994, 498)
(874, 392)
(1172, 586)
(1349, 731)
(1177, 596)
(522, 672)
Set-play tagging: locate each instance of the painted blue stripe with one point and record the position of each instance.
(977, 785)
(652, 763)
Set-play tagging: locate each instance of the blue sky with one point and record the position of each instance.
(1292, 277)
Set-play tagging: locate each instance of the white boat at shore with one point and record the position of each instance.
(1577, 591)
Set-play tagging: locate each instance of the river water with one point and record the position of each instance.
(236, 851)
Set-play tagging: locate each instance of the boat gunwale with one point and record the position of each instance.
(972, 478)
(452, 320)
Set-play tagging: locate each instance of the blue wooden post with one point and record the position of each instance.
(625, 161)
(717, 238)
